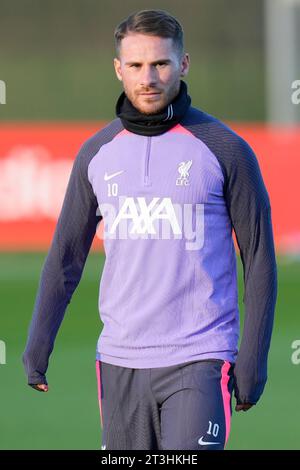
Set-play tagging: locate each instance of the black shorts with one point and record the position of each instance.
(186, 406)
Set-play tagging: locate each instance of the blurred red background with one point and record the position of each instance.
(36, 160)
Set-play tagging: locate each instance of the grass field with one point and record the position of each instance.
(68, 416)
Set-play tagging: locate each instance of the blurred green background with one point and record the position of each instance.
(57, 61)
(57, 57)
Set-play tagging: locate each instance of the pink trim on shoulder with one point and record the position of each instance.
(226, 396)
(179, 129)
(123, 132)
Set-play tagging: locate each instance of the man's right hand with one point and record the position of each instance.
(40, 387)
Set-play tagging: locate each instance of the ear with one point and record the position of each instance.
(117, 65)
(185, 65)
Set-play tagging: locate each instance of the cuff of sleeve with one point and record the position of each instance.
(37, 380)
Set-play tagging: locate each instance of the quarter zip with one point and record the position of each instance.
(147, 157)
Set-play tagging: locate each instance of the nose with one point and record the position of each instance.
(148, 76)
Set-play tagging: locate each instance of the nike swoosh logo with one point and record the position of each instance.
(109, 177)
(204, 443)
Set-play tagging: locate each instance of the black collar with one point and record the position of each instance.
(135, 121)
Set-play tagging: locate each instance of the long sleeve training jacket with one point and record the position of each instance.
(168, 292)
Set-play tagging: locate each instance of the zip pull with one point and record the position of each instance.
(147, 158)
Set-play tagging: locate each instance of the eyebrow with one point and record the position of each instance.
(167, 61)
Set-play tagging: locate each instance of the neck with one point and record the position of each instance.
(153, 124)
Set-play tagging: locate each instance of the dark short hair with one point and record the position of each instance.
(154, 23)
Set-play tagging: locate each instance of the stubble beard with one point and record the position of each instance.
(156, 107)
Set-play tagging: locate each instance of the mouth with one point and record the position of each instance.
(151, 94)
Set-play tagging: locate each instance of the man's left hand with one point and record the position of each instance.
(243, 407)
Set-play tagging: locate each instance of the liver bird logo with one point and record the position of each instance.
(183, 169)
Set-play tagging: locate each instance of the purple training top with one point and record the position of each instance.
(168, 292)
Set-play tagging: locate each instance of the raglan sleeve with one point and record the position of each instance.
(62, 268)
(250, 211)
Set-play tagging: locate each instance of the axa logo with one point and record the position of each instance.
(159, 218)
(143, 215)
(183, 169)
